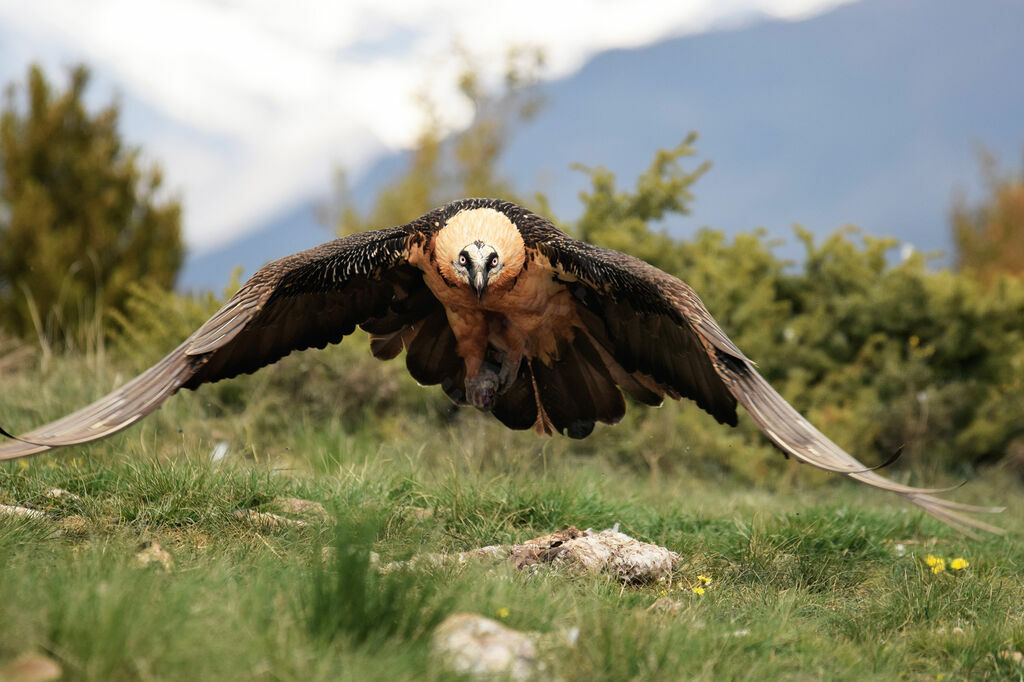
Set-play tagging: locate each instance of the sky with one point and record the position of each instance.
(253, 105)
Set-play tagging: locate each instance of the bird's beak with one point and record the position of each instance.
(479, 284)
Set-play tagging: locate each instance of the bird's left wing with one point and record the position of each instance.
(653, 327)
(310, 299)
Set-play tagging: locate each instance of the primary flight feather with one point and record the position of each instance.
(508, 314)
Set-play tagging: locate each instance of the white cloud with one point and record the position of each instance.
(249, 104)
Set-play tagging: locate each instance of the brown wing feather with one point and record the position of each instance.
(517, 408)
(576, 389)
(307, 300)
(657, 329)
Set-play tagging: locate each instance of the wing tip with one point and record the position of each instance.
(20, 447)
(793, 434)
(949, 513)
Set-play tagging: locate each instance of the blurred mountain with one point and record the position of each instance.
(292, 229)
(295, 227)
(871, 114)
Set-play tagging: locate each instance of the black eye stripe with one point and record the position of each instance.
(492, 262)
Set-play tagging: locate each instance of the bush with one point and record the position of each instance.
(882, 357)
(80, 221)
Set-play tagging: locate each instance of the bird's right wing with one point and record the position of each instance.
(310, 299)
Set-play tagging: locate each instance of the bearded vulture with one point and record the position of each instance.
(508, 314)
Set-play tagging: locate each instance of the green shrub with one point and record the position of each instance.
(80, 219)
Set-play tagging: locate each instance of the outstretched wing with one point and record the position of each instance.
(653, 327)
(307, 300)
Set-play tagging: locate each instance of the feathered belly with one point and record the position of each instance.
(533, 316)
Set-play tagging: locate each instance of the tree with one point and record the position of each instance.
(79, 216)
(989, 238)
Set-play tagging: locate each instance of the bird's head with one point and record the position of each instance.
(477, 264)
(481, 249)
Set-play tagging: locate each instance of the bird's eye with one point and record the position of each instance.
(494, 261)
(462, 259)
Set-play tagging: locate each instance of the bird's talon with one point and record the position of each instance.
(507, 376)
(483, 391)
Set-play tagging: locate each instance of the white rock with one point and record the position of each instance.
(610, 551)
(473, 645)
(220, 451)
(266, 520)
(627, 558)
(60, 493)
(31, 668)
(300, 507)
(7, 510)
(151, 554)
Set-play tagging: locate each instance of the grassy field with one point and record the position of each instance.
(810, 578)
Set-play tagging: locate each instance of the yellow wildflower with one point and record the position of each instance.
(939, 566)
(698, 590)
(704, 579)
(932, 560)
(503, 612)
(959, 564)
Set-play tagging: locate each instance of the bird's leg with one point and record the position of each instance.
(509, 369)
(471, 332)
(485, 381)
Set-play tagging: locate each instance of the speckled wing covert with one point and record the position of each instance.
(307, 300)
(656, 329)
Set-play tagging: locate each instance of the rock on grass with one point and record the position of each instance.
(31, 668)
(151, 555)
(584, 551)
(483, 648)
(609, 551)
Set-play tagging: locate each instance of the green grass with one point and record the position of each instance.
(811, 580)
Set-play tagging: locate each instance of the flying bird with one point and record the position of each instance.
(508, 314)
